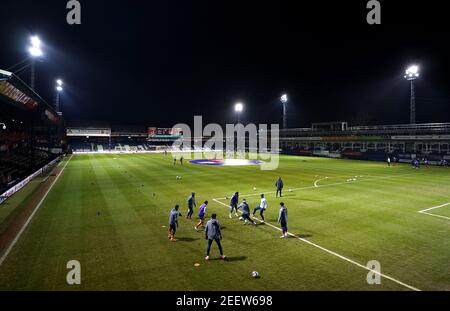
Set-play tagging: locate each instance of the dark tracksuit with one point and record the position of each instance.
(283, 219)
(279, 185)
(234, 203)
(212, 232)
(191, 204)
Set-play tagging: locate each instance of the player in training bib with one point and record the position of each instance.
(201, 215)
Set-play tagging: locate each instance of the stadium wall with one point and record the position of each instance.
(25, 181)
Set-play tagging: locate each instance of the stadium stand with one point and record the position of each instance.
(337, 139)
(32, 133)
(100, 137)
(334, 139)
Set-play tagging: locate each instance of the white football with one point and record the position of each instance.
(255, 274)
(240, 218)
(254, 188)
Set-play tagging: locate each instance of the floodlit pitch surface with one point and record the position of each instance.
(337, 227)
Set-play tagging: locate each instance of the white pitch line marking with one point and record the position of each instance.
(335, 254)
(425, 211)
(434, 207)
(322, 186)
(435, 215)
(317, 181)
(10, 247)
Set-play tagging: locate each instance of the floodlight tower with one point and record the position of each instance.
(238, 108)
(59, 89)
(284, 100)
(412, 73)
(35, 52)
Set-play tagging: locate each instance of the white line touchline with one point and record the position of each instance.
(10, 247)
(434, 207)
(323, 186)
(336, 254)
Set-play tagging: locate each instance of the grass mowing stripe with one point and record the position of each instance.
(335, 254)
(8, 250)
(377, 220)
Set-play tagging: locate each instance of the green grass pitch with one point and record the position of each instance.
(347, 224)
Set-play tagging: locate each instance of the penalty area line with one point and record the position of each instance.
(426, 211)
(335, 254)
(10, 247)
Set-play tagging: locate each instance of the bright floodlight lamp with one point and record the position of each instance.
(284, 100)
(35, 41)
(59, 89)
(239, 107)
(35, 48)
(3, 126)
(411, 74)
(35, 52)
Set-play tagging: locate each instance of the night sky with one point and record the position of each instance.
(157, 63)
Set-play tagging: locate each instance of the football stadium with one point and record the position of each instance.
(103, 199)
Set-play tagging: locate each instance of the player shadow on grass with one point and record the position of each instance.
(231, 259)
(187, 239)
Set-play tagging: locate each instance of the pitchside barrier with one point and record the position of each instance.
(24, 182)
(134, 151)
(160, 151)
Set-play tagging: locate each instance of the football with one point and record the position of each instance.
(255, 274)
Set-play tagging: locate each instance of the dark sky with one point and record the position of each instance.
(161, 62)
